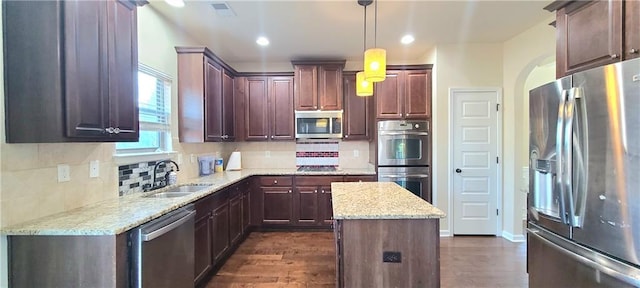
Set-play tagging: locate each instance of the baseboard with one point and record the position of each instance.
(513, 238)
(445, 233)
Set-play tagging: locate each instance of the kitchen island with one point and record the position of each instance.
(385, 236)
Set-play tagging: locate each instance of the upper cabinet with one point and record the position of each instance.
(595, 33)
(205, 97)
(268, 107)
(88, 92)
(318, 85)
(357, 111)
(404, 94)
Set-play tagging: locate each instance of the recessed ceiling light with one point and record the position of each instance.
(175, 3)
(262, 41)
(407, 39)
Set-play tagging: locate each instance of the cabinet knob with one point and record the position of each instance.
(315, 191)
(634, 51)
(271, 136)
(275, 181)
(116, 130)
(109, 130)
(289, 191)
(346, 136)
(265, 136)
(614, 56)
(321, 107)
(315, 107)
(322, 191)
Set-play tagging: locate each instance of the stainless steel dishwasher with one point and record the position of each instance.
(162, 251)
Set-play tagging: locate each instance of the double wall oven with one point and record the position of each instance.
(403, 155)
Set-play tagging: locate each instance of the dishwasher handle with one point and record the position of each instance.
(148, 236)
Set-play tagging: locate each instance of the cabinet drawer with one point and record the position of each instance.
(317, 180)
(363, 178)
(276, 181)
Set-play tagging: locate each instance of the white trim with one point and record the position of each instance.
(513, 238)
(445, 233)
(500, 204)
(131, 158)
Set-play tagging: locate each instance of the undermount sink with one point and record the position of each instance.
(178, 191)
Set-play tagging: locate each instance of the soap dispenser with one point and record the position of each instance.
(172, 177)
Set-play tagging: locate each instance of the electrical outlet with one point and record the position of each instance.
(94, 169)
(391, 257)
(193, 158)
(267, 154)
(64, 173)
(179, 160)
(356, 153)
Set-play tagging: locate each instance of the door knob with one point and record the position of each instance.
(458, 170)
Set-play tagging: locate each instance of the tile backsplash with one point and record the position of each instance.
(135, 178)
(317, 153)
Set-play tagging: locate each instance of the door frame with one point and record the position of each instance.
(499, 198)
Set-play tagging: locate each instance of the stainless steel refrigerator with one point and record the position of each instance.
(584, 188)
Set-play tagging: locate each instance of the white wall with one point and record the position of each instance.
(473, 65)
(522, 54)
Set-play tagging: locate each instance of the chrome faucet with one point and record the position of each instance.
(165, 181)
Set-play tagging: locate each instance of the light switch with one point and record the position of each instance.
(94, 169)
(64, 173)
(267, 154)
(356, 153)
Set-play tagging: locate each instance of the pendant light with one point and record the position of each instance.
(375, 59)
(364, 87)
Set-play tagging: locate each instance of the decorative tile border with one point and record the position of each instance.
(135, 178)
(317, 153)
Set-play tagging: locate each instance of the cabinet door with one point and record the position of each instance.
(220, 237)
(417, 94)
(589, 35)
(632, 29)
(228, 125)
(86, 70)
(256, 109)
(123, 68)
(277, 205)
(306, 87)
(246, 211)
(306, 205)
(202, 247)
(357, 111)
(281, 98)
(330, 87)
(326, 207)
(235, 219)
(212, 100)
(388, 95)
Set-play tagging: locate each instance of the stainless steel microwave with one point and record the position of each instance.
(318, 124)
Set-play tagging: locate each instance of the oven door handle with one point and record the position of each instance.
(405, 176)
(404, 133)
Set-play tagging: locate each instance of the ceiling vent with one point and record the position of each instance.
(223, 9)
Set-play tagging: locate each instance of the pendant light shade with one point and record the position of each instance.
(363, 87)
(375, 64)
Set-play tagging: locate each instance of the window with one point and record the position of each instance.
(154, 103)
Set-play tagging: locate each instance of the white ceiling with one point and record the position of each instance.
(334, 29)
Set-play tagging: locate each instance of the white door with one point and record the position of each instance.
(475, 156)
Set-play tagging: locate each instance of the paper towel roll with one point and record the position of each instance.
(235, 162)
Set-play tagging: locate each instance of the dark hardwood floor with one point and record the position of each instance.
(307, 259)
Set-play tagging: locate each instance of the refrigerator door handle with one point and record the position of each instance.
(560, 161)
(589, 258)
(577, 175)
(567, 157)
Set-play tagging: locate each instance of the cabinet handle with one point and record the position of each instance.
(614, 56)
(93, 129)
(126, 131)
(633, 51)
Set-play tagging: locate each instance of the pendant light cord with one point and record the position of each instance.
(375, 28)
(365, 29)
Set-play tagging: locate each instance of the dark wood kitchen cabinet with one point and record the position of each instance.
(203, 262)
(235, 215)
(79, 83)
(245, 187)
(318, 85)
(404, 94)
(595, 33)
(220, 237)
(277, 200)
(313, 200)
(205, 97)
(268, 108)
(357, 111)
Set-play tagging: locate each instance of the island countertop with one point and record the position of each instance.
(379, 200)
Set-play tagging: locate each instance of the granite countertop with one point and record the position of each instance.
(379, 200)
(118, 215)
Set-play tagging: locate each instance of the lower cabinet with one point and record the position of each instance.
(313, 200)
(235, 216)
(220, 221)
(202, 247)
(277, 200)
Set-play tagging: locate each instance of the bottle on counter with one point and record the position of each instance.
(218, 166)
